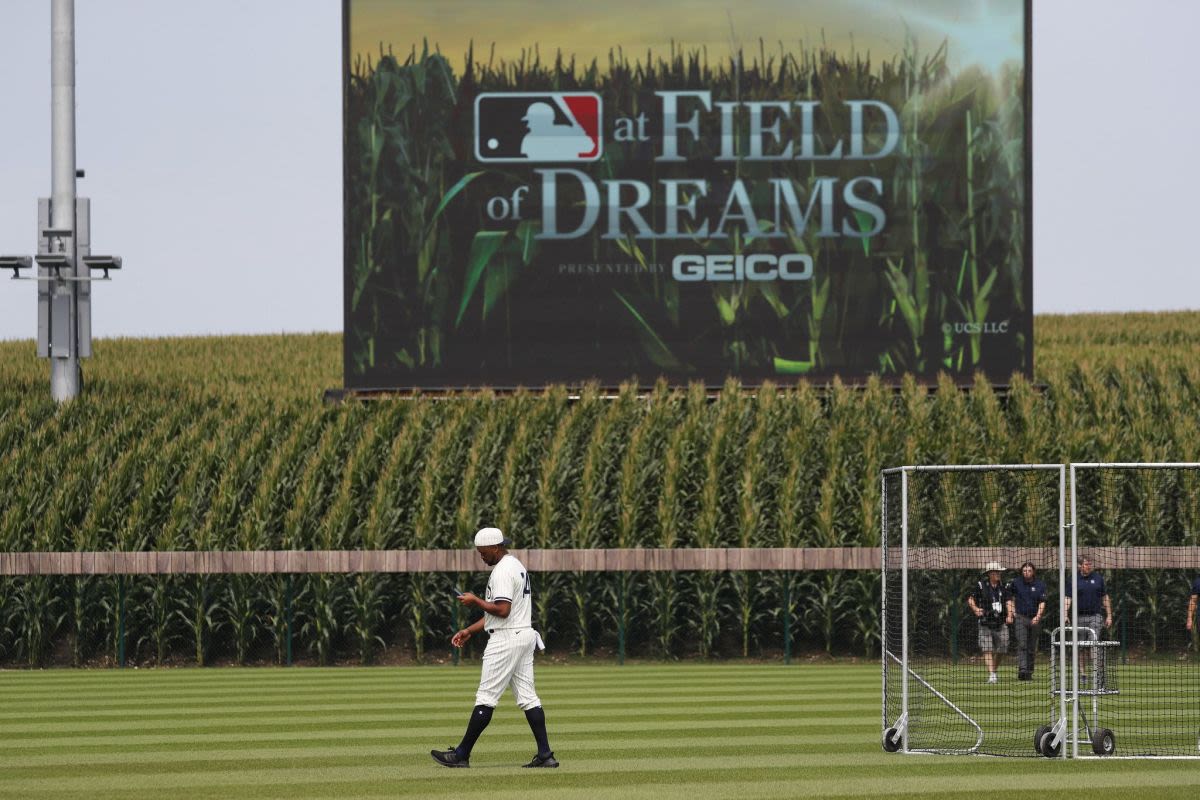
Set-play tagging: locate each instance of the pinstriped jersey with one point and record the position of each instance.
(509, 581)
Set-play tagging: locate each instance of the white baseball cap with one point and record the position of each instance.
(488, 537)
(993, 566)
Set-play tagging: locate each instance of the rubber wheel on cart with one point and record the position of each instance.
(888, 743)
(1037, 739)
(1104, 742)
(1046, 747)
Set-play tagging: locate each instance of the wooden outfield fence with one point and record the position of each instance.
(595, 560)
(397, 561)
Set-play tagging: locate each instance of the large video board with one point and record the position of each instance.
(547, 193)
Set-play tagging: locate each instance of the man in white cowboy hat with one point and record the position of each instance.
(991, 603)
(508, 658)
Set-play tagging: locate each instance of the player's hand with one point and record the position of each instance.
(460, 638)
(1037, 620)
(468, 599)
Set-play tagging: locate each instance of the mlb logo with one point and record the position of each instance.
(513, 127)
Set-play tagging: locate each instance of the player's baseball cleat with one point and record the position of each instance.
(540, 760)
(449, 758)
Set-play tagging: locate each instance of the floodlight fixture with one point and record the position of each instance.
(16, 264)
(102, 262)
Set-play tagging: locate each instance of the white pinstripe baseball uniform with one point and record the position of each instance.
(508, 658)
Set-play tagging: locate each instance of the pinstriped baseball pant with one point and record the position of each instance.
(508, 661)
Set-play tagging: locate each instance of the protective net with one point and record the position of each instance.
(977, 675)
(1139, 527)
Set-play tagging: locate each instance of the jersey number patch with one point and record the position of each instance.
(527, 591)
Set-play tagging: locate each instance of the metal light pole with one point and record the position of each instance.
(65, 377)
(64, 259)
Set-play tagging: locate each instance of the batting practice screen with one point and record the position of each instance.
(542, 193)
(1042, 610)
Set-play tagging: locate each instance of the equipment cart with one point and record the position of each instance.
(1097, 678)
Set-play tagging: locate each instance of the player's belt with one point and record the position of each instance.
(541, 645)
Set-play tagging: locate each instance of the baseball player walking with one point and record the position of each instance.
(508, 658)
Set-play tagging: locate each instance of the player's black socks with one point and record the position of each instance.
(537, 724)
(480, 717)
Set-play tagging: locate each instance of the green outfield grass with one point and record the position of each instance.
(639, 731)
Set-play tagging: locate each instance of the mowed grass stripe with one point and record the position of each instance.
(427, 692)
(744, 773)
(329, 676)
(520, 785)
(185, 679)
(582, 760)
(827, 739)
(430, 688)
(218, 725)
(282, 697)
(579, 746)
(397, 731)
(564, 699)
(17, 684)
(565, 707)
(233, 710)
(345, 675)
(414, 754)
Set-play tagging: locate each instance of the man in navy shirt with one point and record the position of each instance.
(1191, 614)
(1095, 609)
(1029, 606)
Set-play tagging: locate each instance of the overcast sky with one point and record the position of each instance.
(211, 136)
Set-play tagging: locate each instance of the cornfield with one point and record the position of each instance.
(196, 444)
